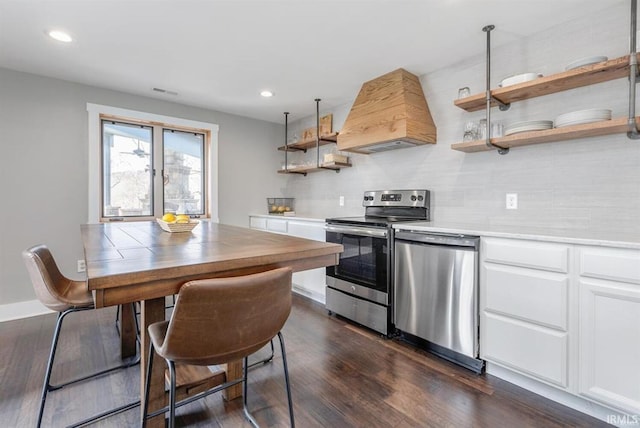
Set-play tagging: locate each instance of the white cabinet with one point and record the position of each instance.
(566, 315)
(524, 307)
(310, 283)
(609, 359)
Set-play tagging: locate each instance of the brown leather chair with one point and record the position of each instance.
(216, 321)
(62, 295)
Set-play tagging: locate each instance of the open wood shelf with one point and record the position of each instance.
(605, 127)
(323, 167)
(581, 76)
(308, 144)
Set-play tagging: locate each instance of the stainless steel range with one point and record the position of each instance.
(359, 286)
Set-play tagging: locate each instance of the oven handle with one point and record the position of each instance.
(358, 231)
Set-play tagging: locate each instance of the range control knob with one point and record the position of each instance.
(413, 197)
(420, 197)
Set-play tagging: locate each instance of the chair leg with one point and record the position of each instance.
(172, 394)
(286, 378)
(147, 385)
(47, 387)
(52, 354)
(247, 414)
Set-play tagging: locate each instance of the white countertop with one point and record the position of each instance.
(583, 237)
(620, 239)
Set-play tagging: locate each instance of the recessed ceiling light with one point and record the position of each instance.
(60, 36)
(266, 93)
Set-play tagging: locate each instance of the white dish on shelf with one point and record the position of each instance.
(583, 116)
(585, 61)
(519, 78)
(531, 125)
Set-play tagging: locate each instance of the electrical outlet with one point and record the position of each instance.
(512, 201)
(82, 267)
(341, 201)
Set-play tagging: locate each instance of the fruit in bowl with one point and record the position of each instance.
(182, 218)
(169, 217)
(173, 218)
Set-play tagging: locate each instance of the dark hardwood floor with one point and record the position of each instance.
(342, 376)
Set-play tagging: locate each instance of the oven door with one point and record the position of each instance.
(364, 264)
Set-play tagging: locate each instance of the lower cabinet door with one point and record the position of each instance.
(609, 359)
(531, 349)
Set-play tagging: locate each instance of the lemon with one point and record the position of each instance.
(182, 218)
(169, 217)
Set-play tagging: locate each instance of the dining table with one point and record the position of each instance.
(130, 262)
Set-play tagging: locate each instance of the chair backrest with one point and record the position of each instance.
(50, 285)
(225, 319)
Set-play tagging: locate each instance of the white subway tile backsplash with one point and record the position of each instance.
(591, 184)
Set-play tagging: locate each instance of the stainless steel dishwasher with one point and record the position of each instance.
(436, 293)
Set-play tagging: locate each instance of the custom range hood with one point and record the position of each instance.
(389, 113)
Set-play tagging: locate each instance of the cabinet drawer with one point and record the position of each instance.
(258, 223)
(530, 295)
(358, 310)
(536, 255)
(277, 225)
(610, 263)
(527, 348)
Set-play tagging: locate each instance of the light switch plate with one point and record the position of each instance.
(341, 201)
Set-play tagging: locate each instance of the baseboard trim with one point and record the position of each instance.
(580, 404)
(318, 297)
(19, 310)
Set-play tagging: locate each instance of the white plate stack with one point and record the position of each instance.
(583, 116)
(531, 125)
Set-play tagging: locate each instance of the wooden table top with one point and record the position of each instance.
(122, 254)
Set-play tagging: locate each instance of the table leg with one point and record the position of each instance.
(152, 311)
(234, 371)
(127, 331)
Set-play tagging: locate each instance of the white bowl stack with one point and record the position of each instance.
(519, 78)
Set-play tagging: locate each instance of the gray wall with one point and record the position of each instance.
(43, 167)
(588, 185)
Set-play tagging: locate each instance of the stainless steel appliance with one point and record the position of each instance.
(436, 293)
(359, 286)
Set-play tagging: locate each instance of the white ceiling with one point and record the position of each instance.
(221, 54)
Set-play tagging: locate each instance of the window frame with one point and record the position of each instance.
(97, 113)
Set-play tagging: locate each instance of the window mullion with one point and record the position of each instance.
(158, 178)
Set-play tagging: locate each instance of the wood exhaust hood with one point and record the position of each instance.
(389, 113)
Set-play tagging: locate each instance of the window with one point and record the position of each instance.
(127, 171)
(183, 171)
(144, 165)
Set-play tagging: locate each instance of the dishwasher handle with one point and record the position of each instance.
(438, 239)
